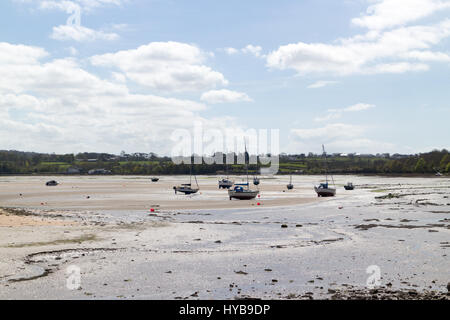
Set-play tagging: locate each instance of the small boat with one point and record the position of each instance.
(242, 191)
(186, 188)
(349, 186)
(256, 181)
(155, 179)
(290, 186)
(324, 189)
(225, 184)
(51, 183)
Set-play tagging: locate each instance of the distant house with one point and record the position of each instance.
(99, 171)
(73, 170)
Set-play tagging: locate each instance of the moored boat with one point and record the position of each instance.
(225, 184)
(349, 186)
(187, 188)
(324, 189)
(241, 191)
(290, 186)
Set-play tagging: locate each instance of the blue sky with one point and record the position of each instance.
(356, 75)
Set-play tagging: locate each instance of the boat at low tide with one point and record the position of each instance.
(290, 186)
(242, 191)
(324, 189)
(187, 188)
(349, 186)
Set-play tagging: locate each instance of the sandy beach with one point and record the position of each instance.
(291, 246)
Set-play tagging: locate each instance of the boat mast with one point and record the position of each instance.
(245, 155)
(326, 164)
(190, 174)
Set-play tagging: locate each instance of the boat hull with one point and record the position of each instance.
(325, 192)
(290, 186)
(349, 187)
(186, 191)
(225, 184)
(242, 195)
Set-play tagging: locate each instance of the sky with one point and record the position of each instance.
(364, 76)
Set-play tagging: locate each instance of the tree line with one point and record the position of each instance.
(17, 162)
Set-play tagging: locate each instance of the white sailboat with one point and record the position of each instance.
(226, 183)
(242, 191)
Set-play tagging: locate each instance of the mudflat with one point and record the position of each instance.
(387, 239)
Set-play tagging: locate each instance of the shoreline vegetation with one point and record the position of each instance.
(30, 163)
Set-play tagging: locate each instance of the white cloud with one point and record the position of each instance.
(73, 29)
(356, 107)
(57, 106)
(73, 51)
(254, 50)
(165, 66)
(80, 34)
(329, 132)
(321, 84)
(224, 96)
(248, 49)
(398, 50)
(337, 113)
(231, 51)
(338, 137)
(391, 13)
(85, 5)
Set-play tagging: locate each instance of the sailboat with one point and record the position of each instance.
(187, 187)
(225, 183)
(242, 191)
(290, 186)
(323, 189)
(255, 178)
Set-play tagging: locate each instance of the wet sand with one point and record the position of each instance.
(139, 193)
(293, 246)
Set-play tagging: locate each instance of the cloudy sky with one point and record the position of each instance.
(111, 75)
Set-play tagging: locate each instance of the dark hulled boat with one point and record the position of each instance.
(290, 186)
(187, 188)
(324, 189)
(349, 186)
